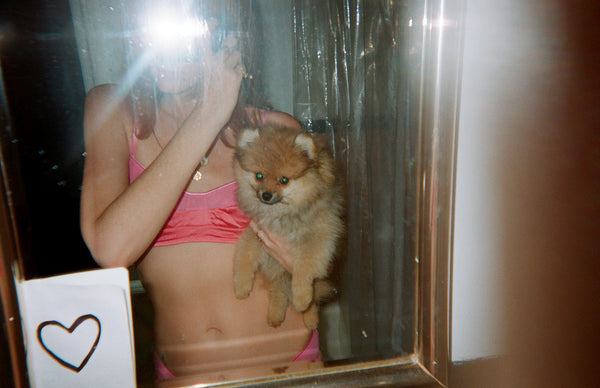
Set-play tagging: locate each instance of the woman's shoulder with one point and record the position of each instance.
(104, 94)
(107, 103)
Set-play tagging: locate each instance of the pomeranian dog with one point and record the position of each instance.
(287, 183)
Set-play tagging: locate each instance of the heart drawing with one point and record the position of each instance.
(70, 347)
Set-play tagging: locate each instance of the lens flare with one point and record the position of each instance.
(172, 33)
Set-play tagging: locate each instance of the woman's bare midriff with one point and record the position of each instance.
(201, 327)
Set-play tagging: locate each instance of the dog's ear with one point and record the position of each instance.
(306, 143)
(247, 136)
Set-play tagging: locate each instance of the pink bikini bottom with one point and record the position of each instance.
(309, 353)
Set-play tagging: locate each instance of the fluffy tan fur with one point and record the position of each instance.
(287, 183)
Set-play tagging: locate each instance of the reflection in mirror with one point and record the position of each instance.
(164, 99)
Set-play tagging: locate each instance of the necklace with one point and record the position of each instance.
(203, 162)
(198, 174)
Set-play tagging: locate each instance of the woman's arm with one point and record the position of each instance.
(119, 220)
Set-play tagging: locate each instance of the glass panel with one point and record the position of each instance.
(345, 69)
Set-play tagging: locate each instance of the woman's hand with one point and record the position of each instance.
(222, 74)
(275, 246)
(258, 117)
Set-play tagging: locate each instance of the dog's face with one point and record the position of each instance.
(279, 166)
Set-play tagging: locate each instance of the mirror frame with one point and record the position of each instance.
(437, 125)
(9, 273)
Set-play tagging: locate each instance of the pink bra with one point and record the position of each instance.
(212, 216)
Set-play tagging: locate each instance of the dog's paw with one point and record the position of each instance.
(301, 298)
(278, 304)
(275, 317)
(311, 317)
(242, 293)
(242, 286)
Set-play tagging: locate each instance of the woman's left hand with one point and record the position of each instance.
(275, 246)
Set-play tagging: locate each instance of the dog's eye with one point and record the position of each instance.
(284, 180)
(259, 176)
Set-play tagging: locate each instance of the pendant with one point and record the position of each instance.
(198, 174)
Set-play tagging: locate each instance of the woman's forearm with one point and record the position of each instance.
(125, 228)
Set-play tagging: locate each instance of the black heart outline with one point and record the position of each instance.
(71, 329)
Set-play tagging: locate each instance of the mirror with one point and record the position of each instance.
(378, 79)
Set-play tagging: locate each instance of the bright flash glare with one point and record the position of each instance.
(168, 31)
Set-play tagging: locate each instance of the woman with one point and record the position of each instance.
(159, 192)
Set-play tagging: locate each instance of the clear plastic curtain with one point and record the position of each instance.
(354, 64)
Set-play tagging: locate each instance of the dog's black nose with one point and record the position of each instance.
(266, 196)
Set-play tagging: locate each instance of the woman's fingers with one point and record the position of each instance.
(233, 60)
(254, 227)
(221, 85)
(232, 56)
(267, 242)
(230, 43)
(275, 246)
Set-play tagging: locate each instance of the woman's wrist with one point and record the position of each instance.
(200, 129)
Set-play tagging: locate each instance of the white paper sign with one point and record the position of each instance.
(78, 329)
